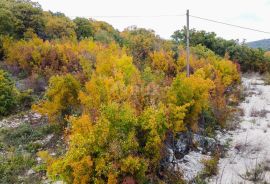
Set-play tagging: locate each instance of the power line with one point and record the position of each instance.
(175, 15)
(228, 24)
(133, 16)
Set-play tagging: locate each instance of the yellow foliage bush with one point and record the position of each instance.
(193, 92)
(163, 61)
(120, 117)
(61, 98)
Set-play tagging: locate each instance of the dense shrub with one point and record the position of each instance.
(43, 59)
(8, 94)
(222, 72)
(57, 25)
(16, 17)
(124, 116)
(84, 28)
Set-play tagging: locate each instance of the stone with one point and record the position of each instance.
(30, 172)
(191, 165)
(39, 159)
(206, 144)
(36, 116)
(170, 154)
(58, 182)
(182, 145)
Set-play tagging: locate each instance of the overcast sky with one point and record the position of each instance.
(248, 13)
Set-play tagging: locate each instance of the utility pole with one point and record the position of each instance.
(187, 44)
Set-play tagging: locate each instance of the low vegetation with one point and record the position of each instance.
(18, 149)
(257, 173)
(266, 78)
(210, 169)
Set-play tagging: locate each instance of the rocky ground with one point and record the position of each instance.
(245, 148)
(187, 158)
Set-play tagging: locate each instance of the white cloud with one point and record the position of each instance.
(248, 13)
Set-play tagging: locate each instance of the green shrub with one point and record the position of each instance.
(199, 180)
(209, 122)
(25, 99)
(210, 169)
(8, 94)
(210, 166)
(33, 147)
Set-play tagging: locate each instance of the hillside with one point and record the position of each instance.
(82, 102)
(264, 44)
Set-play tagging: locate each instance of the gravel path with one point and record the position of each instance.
(248, 159)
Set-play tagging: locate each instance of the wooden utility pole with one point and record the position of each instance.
(187, 44)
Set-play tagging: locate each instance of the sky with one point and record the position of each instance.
(247, 13)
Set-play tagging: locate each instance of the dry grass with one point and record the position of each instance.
(240, 147)
(266, 78)
(241, 112)
(259, 113)
(257, 173)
